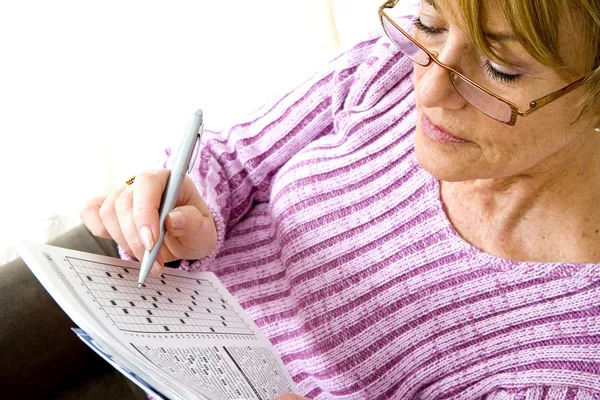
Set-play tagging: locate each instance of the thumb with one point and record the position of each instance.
(187, 220)
(190, 234)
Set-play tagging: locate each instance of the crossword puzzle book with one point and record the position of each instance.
(180, 336)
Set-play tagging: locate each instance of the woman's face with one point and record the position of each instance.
(480, 147)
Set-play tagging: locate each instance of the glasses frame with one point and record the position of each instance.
(515, 111)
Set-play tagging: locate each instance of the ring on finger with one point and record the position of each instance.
(130, 181)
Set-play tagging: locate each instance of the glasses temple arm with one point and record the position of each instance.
(542, 101)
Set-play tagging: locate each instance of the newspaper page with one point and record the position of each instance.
(182, 333)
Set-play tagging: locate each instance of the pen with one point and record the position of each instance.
(169, 197)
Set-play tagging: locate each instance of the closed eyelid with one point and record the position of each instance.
(506, 69)
(433, 3)
(499, 71)
(509, 67)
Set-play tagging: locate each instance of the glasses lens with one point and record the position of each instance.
(481, 100)
(406, 15)
(404, 44)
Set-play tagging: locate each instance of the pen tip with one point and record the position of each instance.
(139, 285)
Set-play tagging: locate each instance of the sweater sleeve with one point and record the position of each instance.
(235, 166)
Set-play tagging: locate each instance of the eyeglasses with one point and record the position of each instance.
(399, 29)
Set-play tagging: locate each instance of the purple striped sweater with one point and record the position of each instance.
(335, 241)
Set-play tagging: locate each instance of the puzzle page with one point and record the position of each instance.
(173, 305)
(184, 324)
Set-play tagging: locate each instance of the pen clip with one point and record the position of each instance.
(195, 152)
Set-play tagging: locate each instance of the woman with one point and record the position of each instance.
(420, 220)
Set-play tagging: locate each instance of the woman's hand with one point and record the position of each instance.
(129, 215)
(290, 396)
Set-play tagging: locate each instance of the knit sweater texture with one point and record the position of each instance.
(335, 241)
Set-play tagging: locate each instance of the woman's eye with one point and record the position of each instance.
(428, 30)
(498, 75)
(491, 70)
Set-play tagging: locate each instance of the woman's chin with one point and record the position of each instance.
(443, 162)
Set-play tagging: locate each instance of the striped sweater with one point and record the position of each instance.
(335, 241)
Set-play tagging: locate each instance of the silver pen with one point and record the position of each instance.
(171, 193)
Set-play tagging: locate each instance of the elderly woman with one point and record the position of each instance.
(420, 220)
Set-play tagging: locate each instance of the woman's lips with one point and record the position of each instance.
(438, 134)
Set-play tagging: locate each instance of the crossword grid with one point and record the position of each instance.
(170, 304)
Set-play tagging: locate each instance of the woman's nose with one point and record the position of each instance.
(434, 88)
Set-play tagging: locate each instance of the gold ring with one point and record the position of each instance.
(130, 180)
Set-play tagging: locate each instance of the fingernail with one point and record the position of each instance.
(156, 270)
(177, 219)
(147, 239)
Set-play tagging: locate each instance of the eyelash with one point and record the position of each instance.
(491, 71)
(501, 76)
(428, 30)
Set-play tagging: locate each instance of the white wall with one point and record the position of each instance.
(355, 18)
(92, 91)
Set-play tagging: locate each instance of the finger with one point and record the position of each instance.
(124, 212)
(199, 233)
(185, 220)
(157, 270)
(164, 255)
(110, 221)
(90, 215)
(290, 396)
(189, 232)
(147, 193)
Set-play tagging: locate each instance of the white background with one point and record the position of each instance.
(92, 91)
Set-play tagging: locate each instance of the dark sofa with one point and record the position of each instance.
(40, 357)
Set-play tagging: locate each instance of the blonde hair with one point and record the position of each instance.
(536, 24)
